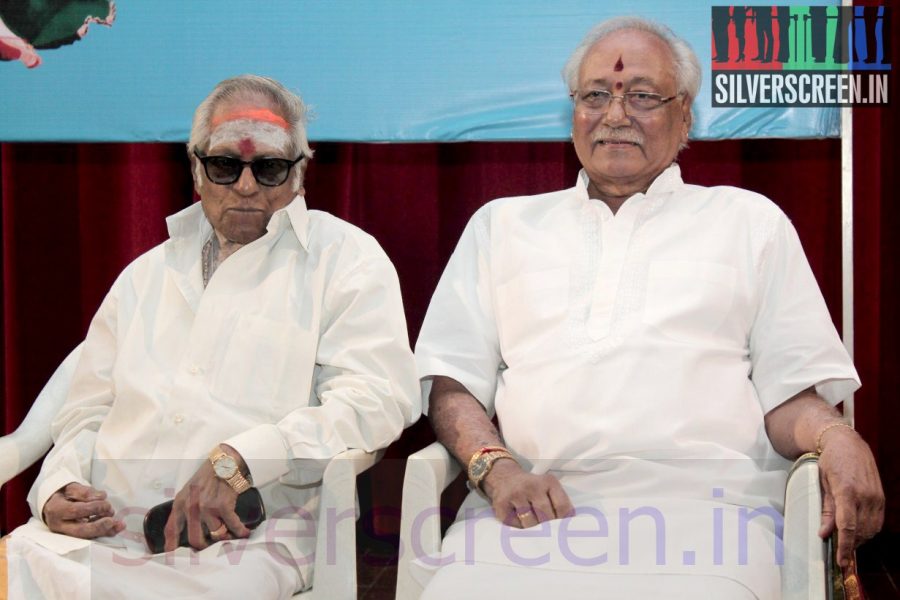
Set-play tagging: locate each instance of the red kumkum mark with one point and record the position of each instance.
(619, 66)
(246, 147)
(618, 85)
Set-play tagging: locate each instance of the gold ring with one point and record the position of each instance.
(522, 515)
(218, 533)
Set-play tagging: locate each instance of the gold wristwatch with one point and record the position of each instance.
(226, 469)
(482, 461)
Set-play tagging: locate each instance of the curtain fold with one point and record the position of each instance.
(73, 215)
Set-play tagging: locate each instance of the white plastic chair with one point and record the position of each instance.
(334, 574)
(31, 441)
(430, 470)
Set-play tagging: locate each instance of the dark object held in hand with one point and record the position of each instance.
(249, 509)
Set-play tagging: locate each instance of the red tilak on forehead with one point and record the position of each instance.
(619, 66)
(246, 146)
(618, 85)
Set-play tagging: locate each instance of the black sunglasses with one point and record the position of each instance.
(225, 170)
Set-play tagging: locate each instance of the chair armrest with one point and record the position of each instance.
(428, 473)
(334, 574)
(803, 575)
(31, 440)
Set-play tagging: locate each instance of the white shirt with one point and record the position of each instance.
(296, 350)
(635, 355)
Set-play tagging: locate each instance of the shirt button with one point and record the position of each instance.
(178, 418)
(156, 484)
(194, 369)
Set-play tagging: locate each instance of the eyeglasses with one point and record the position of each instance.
(269, 172)
(635, 104)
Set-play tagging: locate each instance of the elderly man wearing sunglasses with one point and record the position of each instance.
(255, 344)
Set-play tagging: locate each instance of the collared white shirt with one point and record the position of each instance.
(295, 351)
(664, 332)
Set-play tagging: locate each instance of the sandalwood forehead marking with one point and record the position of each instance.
(256, 133)
(619, 65)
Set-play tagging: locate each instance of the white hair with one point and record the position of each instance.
(687, 67)
(287, 104)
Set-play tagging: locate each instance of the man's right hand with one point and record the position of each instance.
(81, 511)
(519, 499)
(522, 499)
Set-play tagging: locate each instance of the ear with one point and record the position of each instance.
(196, 173)
(299, 177)
(687, 118)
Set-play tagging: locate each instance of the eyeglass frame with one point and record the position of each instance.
(624, 97)
(247, 163)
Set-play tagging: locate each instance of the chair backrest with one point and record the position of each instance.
(31, 440)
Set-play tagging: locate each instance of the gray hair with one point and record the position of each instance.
(287, 103)
(687, 67)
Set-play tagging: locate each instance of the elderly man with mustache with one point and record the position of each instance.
(654, 352)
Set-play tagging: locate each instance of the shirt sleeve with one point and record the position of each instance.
(793, 343)
(365, 381)
(459, 335)
(89, 399)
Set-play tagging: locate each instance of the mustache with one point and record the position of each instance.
(612, 135)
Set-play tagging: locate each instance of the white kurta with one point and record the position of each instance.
(296, 350)
(635, 355)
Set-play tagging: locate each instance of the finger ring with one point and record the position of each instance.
(522, 515)
(218, 533)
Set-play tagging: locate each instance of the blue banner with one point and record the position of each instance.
(376, 70)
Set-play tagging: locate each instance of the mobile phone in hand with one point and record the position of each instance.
(249, 508)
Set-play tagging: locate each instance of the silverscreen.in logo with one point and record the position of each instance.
(801, 55)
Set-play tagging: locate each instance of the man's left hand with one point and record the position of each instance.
(853, 500)
(205, 505)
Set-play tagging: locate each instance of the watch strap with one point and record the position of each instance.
(483, 461)
(238, 482)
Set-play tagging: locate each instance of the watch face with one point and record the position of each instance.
(225, 467)
(479, 467)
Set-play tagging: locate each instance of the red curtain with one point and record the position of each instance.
(73, 215)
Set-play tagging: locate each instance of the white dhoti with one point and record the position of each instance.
(623, 547)
(95, 570)
(460, 581)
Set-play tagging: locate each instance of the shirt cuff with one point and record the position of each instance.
(264, 451)
(429, 368)
(50, 486)
(833, 390)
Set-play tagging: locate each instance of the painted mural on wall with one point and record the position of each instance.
(28, 26)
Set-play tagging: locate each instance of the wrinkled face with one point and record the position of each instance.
(624, 153)
(246, 129)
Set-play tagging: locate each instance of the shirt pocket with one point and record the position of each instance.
(689, 300)
(267, 367)
(531, 306)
